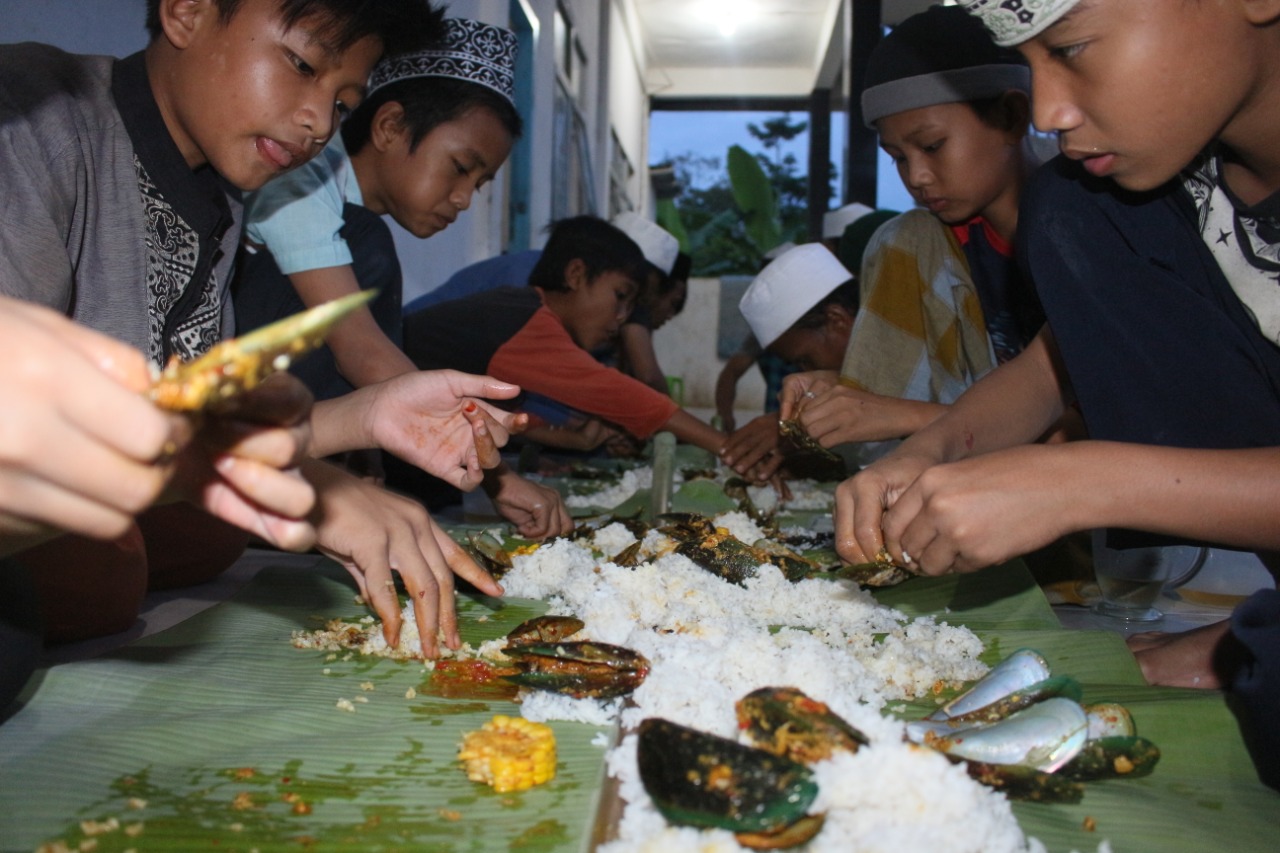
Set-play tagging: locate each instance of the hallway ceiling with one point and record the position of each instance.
(740, 48)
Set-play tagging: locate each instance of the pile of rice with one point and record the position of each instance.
(711, 642)
(805, 494)
(632, 481)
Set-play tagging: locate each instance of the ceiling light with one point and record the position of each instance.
(724, 15)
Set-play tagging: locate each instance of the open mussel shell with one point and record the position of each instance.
(490, 552)
(1112, 758)
(1044, 736)
(785, 721)
(1026, 783)
(699, 779)
(578, 669)
(874, 574)
(544, 629)
(234, 366)
(805, 458)
(1018, 671)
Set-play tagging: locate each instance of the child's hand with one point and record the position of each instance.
(753, 450)
(372, 532)
(536, 510)
(429, 419)
(798, 388)
(64, 466)
(962, 516)
(242, 467)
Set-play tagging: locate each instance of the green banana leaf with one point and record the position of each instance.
(668, 216)
(207, 736)
(755, 197)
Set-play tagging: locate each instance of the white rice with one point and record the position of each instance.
(805, 494)
(632, 481)
(710, 642)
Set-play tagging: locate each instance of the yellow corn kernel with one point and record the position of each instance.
(510, 754)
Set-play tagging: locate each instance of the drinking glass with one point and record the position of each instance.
(1131, 578)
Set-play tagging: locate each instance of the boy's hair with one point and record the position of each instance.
(845, 295)
(601, 246)
(428, 102)
(400, 25)
(1008, 112)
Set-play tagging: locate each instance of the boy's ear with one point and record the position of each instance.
(839, 318)
(181, 19)
(388, 125)
(575, 274)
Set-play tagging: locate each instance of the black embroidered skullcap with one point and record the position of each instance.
(940, 56)
(470, 50)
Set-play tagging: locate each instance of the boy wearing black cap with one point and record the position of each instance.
(942, 300)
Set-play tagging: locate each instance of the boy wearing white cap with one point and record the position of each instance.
(661, 297)
(835, 221)
(800, 308)
(1153, 244)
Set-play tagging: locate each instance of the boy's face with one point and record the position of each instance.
(1137, 88)
(597, 308)
(816, 349)
(669, 304)
(950, 160)
(248, 97)
(425, 190)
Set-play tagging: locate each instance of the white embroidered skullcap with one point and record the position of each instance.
(835, 221)
(660, 248)
(1012, 22)
(470, 50)
(789, 287)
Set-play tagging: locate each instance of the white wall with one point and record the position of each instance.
(628, 105)
(686, 347)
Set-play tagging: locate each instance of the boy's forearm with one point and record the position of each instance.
(690, 430)
(1225, 496)
(1014, 404)
(340, 424)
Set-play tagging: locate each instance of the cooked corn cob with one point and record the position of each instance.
(510, 753)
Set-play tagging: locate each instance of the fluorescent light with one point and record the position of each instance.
(724, 15)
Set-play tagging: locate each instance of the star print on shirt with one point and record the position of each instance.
(1224, 237)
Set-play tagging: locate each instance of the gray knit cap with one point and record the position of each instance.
(940, 56)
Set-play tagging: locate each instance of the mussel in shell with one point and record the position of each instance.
(785, 721)
(235, 366)
(1023, 731)
(544, 629)
(805, 458)
(724, 555)
(698, 779)
(578, 669)
(879, 572)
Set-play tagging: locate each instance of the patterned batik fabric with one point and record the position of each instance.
(1245, 241)
(920, 333)
(470, 50)
(1012, 22)
(173, 252)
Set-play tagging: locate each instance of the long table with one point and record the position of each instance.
(217, 734)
